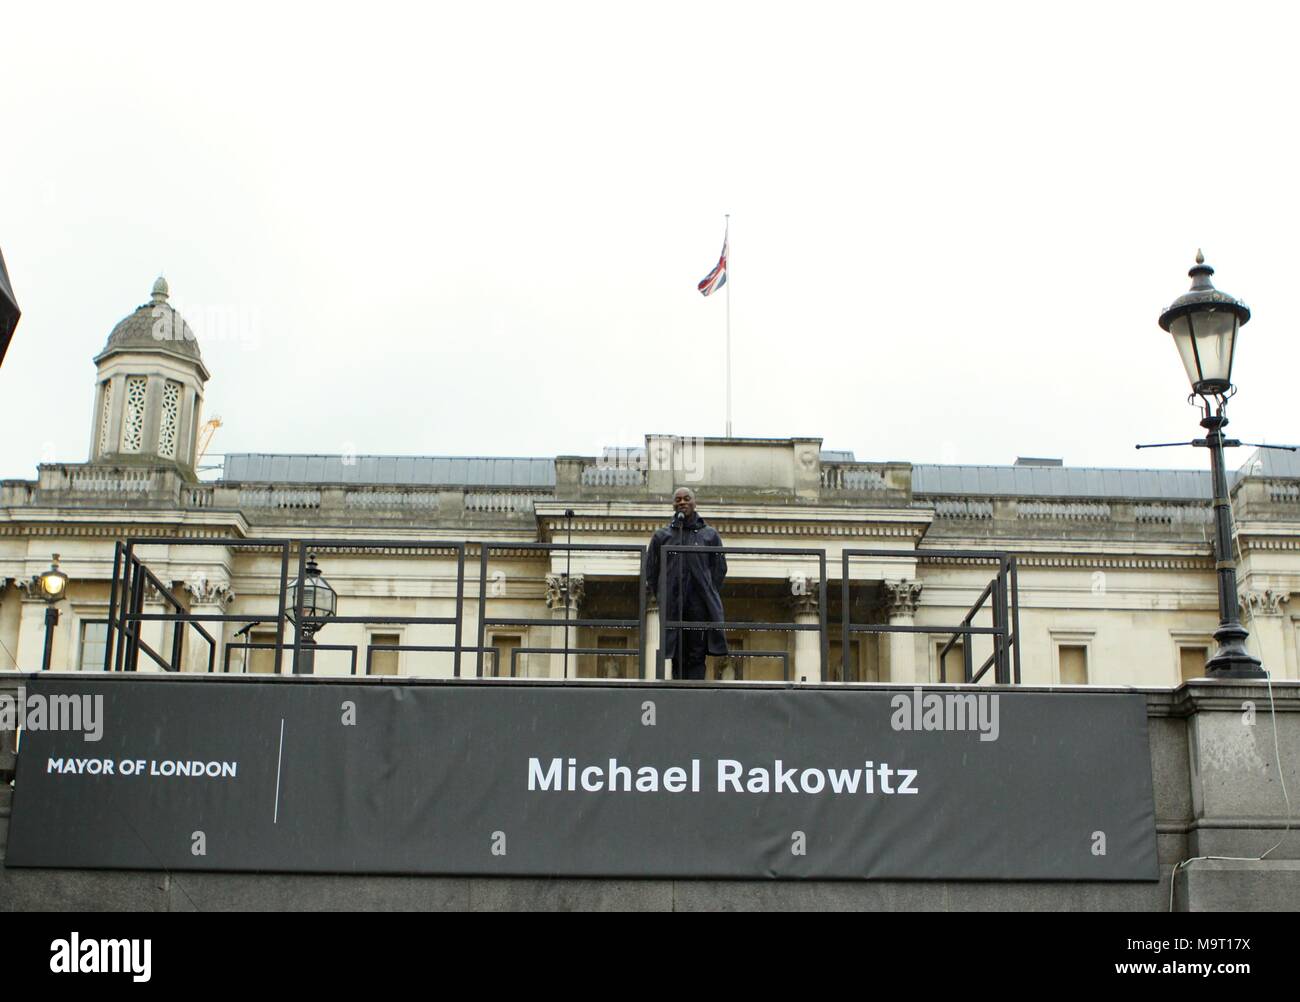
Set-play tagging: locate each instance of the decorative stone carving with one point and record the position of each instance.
(902, 597)
(804, 595)
(556, 588)
(1265, 602)
(29, 589)
(206, 592)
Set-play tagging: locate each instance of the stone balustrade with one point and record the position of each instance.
(15, 493)
(883, 485)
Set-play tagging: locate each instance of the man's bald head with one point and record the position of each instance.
(684, 501)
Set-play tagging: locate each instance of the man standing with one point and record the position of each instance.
(691, 591)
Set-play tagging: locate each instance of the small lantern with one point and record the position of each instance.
(319, 600)
(1204, 323)
(53, 583)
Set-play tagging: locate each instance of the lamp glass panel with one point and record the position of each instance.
(311, 598)
(1214, 332)
(326, 600)
(318, 598)
(306, 599)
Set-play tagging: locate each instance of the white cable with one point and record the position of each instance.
(1277, 752)
(1272, 708)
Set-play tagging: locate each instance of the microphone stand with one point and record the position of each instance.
(568, 566)
(246, 631)
(679, 662)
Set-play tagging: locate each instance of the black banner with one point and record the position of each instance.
(512, 778)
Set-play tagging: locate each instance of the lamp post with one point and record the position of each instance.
(1204, 323)
(316, 601)
(52, 585)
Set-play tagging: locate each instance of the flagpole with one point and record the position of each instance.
(726, 240)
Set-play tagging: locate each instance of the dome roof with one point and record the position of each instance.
(155, 326)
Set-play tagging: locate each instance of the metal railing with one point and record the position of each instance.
(306, 546)
(124, 642)
(1003, 591)
(125, 611)
(484, 621)
(127, 596)
(666, 624)
(254, 645)
(425, 649)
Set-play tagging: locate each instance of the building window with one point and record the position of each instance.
(171, 417)
(105, 417)
(504, 643)
(863, 665)
(261, 661)
(614, 665)
(868, 657)
(953, 666)
(384, 662)
(1073, 662)
(94, 638)
(1191, 662)
(133, 415)
(835, 669)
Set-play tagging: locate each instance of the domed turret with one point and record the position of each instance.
(155, 325)
(150, 379)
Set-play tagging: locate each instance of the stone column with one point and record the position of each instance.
(559, 594)
(1262, 615)
(652, 636)
(10, 623)
(30, 649)
(207, 598)
(901, 598)
(805, 602)
(154, 632)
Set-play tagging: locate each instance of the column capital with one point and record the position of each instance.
(1257, 602)
(902, 597)
(205, 591)
(805, 596)
(153, 594)
(29, 591)
(558, 586)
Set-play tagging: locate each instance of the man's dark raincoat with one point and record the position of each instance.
(701, 574)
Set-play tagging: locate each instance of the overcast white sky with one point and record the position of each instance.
(476, 229)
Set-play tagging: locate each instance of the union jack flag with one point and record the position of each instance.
(717, 278)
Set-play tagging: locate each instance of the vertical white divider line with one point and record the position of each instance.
(278, 760)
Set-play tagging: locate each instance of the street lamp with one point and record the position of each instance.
(317, 601)
(1204, 323)
(51, 586)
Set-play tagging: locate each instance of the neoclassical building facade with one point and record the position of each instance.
(1115, 572)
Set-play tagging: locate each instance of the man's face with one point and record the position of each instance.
(684, 502)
